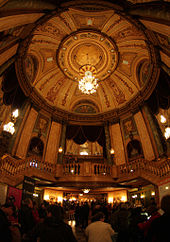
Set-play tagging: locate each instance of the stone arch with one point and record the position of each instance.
(36, 147)
(134, 149)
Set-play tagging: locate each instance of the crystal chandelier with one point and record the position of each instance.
(88, 84)
(86, 190)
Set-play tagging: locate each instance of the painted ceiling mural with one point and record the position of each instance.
(59, 47)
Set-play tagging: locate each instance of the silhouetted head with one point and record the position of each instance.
(98, 217)
(165, 204)
(56, 212)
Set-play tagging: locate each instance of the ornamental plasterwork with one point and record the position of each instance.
(111, 42)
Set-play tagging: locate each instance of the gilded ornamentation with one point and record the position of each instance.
(85, 109)
(125, 83)
(49, 28)
(41, 124)
(90, 33)
(66, 95)
(129, 126)
(114, 24)
(117, 92)
(163, 40)
(52, 93)
(30, 67)
(144, 72)
(129, 31)
(46, 81)
(105, 96)
(87, 47)
(65, 22)
(134, 46)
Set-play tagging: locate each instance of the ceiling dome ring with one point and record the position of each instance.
(39, 99)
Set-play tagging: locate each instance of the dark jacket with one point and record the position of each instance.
(159, 230)
(52, 230)
(5, 233)
(26, 219)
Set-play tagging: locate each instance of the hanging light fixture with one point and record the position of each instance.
(167, 132)
(88, 83)
(86, 190)
(9, 127)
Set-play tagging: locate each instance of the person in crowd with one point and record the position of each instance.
(26, 218)
(5, 232)
(84, 215)
(35, 213)
(159, 230)
(53, 228)
(152, 211)
(42, 211)
(8, 227)
(119, 222)
(98, 230)
(77, 214)
(136, 217)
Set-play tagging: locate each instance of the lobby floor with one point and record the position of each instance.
(78, 232)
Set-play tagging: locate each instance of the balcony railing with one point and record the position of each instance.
(87, 168)
(14, 167)
(159, 168)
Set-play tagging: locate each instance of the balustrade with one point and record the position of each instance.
(159, 169)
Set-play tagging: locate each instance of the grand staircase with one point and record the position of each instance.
(12, 170)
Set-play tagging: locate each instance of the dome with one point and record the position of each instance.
(62, 43)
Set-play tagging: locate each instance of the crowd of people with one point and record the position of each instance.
(100, 222)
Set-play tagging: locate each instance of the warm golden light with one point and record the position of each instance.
(9, 128)
(60, 199)
(86, 190)
(15, 113)
(112, 151)
(46, 197)
(123, 199)
(88, 84)
(142, 196)
(83, 153)
(167, 133)
(153, 193)
(60, 150)
(110, 200)
(162, 119)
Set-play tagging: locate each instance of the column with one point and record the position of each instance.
(144, 137)
(117, 144)
(26, 134)
(108, 144)
(53, 143)
(156, 131)
(62, 144)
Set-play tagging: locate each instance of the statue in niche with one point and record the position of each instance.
(134, 148)
(36, 147)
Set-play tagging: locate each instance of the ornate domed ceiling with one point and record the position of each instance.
(119, 48)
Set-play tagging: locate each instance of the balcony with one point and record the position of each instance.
(12, 171)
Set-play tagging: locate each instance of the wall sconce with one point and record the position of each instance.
(14, 115)
(60, 150)
(112, 151)
(9, 127)
(162, 119)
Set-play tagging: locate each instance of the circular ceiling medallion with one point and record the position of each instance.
(87, 48)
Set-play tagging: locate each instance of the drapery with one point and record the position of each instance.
(80, 134)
